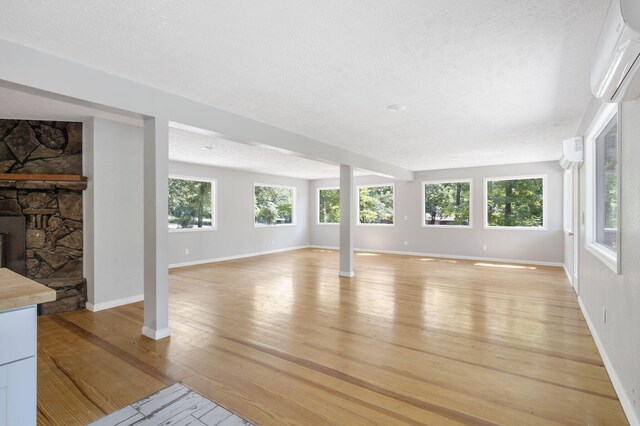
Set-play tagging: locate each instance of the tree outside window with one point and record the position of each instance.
(376, 205)
(273, 205)
(190, 204)
(329, 205)
(607, 186)
(447, 203)
(517, 202)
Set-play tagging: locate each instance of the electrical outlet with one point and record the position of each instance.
(604, 314)
(406, 243)
(273, 242)
(406, 218)
(186, 251)
(484, 248)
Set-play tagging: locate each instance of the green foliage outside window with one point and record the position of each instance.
(447, 203)
(273, 205)
(329, 205)
(189, 204)
(516, 202)
(376, 204)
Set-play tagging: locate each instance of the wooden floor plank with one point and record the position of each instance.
(281, 339)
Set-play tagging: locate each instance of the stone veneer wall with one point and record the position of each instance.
(53, 209)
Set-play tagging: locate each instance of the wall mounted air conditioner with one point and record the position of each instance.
(572, 153)
(614, 76)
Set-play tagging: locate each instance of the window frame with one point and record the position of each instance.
(375, 185)
(318, 205)
(545, 204)
(422, 207)
(567, 201)
(607, 256)
(293, 205)
(214, 202)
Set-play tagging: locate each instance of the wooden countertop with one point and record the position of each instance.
(17, 291)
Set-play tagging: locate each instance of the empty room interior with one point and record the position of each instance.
(320, 213)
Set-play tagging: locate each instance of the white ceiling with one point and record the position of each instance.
(484, 81)
(188, 145)
(19, 105)
(185, 143)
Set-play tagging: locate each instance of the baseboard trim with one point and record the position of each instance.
(625, 400)
(239, 256)
(156, 334)
(448, 256)
(347, 274)
(115, 303)
(569, 277)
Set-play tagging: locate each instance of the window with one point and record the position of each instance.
(273, 205)
(328, 205)
(191, 205)
(602, 193)
(447, 203)
(376, 205)
(515, 202)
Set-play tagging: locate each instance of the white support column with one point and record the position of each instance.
(156, 272)
(347, 220)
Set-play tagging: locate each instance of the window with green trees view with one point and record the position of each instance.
(273, 205)
(515, 202)
(190, 204)
(447, 203)
(328, 205)
(607, 185)
(375, 205)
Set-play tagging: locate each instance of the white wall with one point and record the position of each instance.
(113, 213)
(236, 234)
(599, 287)
(518, 245)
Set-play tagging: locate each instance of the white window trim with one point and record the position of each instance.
(214, 203)
(375, 185)
(293, 206)
(610, 258)
(422, 213)
(567, 201)
(545, 204)
(318, 206)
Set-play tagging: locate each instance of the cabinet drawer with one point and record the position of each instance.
(17, 334)
(18, 393)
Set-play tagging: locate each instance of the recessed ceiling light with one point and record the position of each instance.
(208, 148)
(396, 107)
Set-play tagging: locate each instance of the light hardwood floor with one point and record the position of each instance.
(280, 339)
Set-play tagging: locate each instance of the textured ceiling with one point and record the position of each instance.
(484, 81)
(185, 144)
(189, 146)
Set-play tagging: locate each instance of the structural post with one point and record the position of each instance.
(347, 220)
(156, 206)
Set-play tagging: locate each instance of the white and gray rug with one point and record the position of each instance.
(176, 405)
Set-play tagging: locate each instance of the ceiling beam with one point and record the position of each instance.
(29, 68)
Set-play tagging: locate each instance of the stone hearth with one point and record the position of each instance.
(52, 209)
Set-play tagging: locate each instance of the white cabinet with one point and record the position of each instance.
(18, 393)
(18, 378)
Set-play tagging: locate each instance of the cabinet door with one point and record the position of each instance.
(18, 393)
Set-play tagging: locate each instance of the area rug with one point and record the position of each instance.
(176, 405)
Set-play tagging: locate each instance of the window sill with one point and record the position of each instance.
(328, 223)
(605, 255)
(192, 230)
(283, 225)
(382, 225)
(448, 226)
(515, 228)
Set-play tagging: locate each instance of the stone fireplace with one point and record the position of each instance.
(40, 180)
